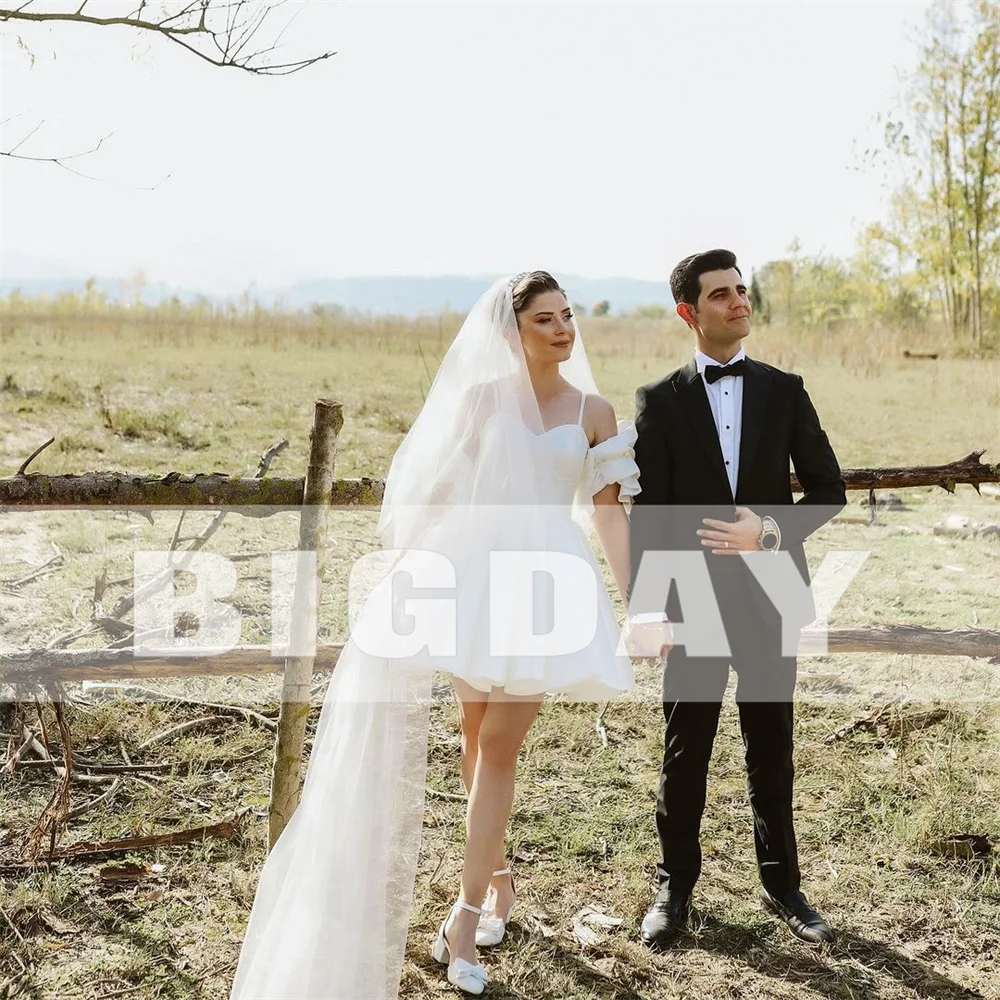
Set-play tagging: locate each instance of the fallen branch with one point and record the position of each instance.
(88, 850)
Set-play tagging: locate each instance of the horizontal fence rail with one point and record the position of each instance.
(73, 665)
(217, 489)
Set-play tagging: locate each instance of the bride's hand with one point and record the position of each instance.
(648, 642)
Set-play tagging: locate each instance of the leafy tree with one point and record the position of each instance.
(946, 214)
(758, 303)
(601, 308)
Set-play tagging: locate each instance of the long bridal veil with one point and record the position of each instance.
(329, 919)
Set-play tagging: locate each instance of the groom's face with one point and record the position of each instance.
(723, 310)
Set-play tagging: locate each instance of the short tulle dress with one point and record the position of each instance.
(531, 619)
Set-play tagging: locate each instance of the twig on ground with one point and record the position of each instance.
(436, 793)
(183, 727)
(869, 722)
(52, 821)
(10, 923)
(599, 726)
(86, 807)
(150, 695)
(13, 760)
(120, 993)
(49, 566)
(61, 641)
(93, 770)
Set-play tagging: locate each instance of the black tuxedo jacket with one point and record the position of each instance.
(683, 476)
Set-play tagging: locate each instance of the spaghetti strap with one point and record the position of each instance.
(583, 400)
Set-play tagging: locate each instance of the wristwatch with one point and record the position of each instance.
(770, 535)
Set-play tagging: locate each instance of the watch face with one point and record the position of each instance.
(769, 541)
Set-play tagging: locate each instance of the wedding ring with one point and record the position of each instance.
(727, 545)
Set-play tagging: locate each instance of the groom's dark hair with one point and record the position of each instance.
(685, 279)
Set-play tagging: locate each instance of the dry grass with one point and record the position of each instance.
(873, 811)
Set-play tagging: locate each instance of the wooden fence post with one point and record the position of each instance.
(328, 419)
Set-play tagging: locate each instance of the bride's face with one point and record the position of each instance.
(546, 328)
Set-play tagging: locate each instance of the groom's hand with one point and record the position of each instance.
(727, 538)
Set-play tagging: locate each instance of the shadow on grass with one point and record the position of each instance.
(852, 966)
(559, 954)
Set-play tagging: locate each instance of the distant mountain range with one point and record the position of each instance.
(401, 295)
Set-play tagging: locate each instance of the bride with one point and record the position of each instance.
(511, 450)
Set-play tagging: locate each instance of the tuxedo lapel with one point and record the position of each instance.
(756, 390)
(694, 403)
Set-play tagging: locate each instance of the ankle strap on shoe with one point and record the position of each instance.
(502, 871)
(463, 905)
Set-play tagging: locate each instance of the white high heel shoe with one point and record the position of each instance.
(492, 926)
(467, 977)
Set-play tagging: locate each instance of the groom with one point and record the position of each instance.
(715, 439)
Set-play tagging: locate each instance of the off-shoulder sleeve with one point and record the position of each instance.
(613, 461)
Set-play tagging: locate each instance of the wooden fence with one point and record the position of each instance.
(314, 493)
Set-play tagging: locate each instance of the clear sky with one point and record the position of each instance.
(603, 138)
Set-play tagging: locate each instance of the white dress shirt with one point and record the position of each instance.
(725, 396)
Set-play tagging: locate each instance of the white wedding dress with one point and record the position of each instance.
(593, 667)
(331, 912)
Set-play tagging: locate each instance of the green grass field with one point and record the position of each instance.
(917, 917)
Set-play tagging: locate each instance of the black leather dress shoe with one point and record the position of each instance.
(803, 921)
(666, 918)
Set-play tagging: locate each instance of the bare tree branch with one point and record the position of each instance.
(59, 161)
(15, 148)
(216, 31)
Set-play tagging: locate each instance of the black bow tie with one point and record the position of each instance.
(714, 372)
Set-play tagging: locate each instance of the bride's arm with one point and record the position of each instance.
(610, 518)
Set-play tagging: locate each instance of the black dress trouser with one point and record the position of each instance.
(693, 689)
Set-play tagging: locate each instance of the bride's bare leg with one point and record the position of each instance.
(502, 729)
(471, 709)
